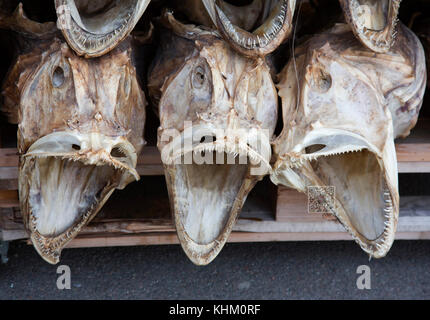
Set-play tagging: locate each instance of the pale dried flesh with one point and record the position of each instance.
(205, 215)
(360, 188)
(63, 196)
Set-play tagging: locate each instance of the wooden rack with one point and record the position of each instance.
(270, 213)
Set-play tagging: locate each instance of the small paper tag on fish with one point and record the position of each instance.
(321, 199)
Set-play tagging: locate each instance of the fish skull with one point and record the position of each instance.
(340, 120)
(217, 112)
(80, 129)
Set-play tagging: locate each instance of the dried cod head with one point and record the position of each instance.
(80, 128)
(373, 21)
(217, 112)
(255, 29)
(93, 28)
(343, 105)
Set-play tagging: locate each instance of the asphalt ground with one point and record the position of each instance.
(282, 270)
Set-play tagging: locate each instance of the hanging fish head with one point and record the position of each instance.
(340, 111)
(217, 113)
(80, 129)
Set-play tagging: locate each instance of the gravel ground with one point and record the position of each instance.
(289, 270)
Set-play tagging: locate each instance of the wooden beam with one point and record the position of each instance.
(413, 152)
(171, 238)
(291, 206)
(9, 198)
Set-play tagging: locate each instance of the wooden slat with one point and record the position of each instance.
(291, 206)
(171, 238)
(9, 198)
(414, 218)
(8, 157)
(9, 184)
(150, 155)
(150, 169)
(8, 173)
(413, 167)
(413, 152)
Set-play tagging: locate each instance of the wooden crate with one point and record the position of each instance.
(132, 217)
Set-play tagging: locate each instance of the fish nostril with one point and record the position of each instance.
(58, 77)
(320, 80)
(208, 139)
(76, 147)
(117, 153)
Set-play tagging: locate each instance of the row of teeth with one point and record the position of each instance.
(298, 162)
(378, 38)
(50, 246)
(259, 42)
(91, 41)
(384, 242)
(312, 156)
(78, 158)
(239, 150)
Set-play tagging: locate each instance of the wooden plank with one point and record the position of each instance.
(8, 173)
(128, 240)
(413, 152)
(171, 238)
(292, 206)
(9, 184)
(149, 155)
(413, 167)
(150, 169)
(9, 198)
(11, 235)
(416, 227)
(8, 157)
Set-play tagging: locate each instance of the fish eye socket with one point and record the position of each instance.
(58, 77)
(198, 77)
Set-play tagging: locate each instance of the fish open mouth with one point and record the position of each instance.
(373, 21)
(254, 29)
(62, 187)
(208, 184)
(92, 28)
(364, 202)
(365, 199)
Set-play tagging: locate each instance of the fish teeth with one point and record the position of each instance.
(256, 41)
